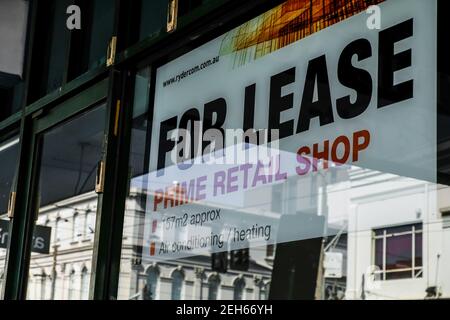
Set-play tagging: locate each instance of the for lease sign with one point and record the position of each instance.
(343, 96)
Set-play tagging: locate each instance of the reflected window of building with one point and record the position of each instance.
(398, 252)
(57, 230)
(177, 284)
(84, 284)
(43, 285)
(75, 224)
(264, 293)
(277, 198)
(89, 224)
(213, 287)
(239, 287)
(270, 251)
(72, 289)
(1, 282)
(150, 288)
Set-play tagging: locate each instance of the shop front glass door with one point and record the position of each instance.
(62, 248)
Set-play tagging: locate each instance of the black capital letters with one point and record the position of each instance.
(278, 103)
(165, 145)
(389, 63)
(354, 78)
(322, 108)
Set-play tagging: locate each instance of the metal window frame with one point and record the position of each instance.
(384, 237)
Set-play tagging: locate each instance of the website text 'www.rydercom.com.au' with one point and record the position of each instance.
(191, 71)
(209, 311)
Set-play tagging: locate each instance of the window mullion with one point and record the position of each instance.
(384, 254)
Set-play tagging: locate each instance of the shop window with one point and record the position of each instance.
(177, 284)
(66, 170)
(398, 252)
(311, 211)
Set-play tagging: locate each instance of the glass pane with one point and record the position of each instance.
(338, 176)
(213, 288)
(418, 250)
(153, 17)
(379, 253)
(50, 52)
(61, 257)
(177, 285)
(398, 275)
(239, 287)
(186, 6)
(136, 282)
(398, 230)
(399, 252)
(9, 153)
(10, 100)
(13, 37)
(101, 31)
(151, 284)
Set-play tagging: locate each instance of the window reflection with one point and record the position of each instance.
(239, 286)
(150, 288)
(177, 284)
(213, 287)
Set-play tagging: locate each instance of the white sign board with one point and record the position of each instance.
(345, 94)
(333, 265)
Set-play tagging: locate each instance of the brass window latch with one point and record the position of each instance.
(172, 15)
(100, 178)
(111, 54)
(12, 204)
